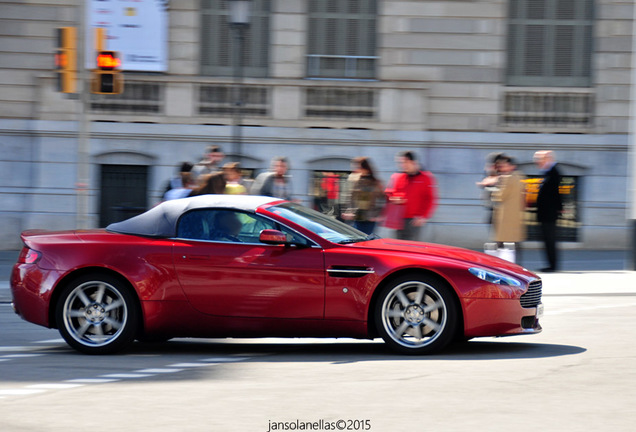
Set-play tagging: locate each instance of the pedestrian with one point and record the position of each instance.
(234, 179)
(508, 199)
(353, 176)
(412, 197)
(489, 183)
(366, 197)
(176, 182)
(276, 182)
(330, 186)
(210, 163)
(181, 186)
(549, 205)
(213, 183)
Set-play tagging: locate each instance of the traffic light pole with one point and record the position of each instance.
(83, 125)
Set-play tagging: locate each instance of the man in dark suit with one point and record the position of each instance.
(549, 204)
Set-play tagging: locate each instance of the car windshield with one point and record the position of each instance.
(325, 226)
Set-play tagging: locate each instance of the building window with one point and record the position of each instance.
(550, 43)
(329, 191)
(569, 220)
(342, 39)
(342, 103)
(216, 39)
(217, 99)
(567, 110)
(137, 98)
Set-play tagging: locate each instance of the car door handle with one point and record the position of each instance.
(196, 257)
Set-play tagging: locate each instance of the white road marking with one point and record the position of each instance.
(126, 375)
(187, 365)
(92, 380)
(18, 348)
(224, 359)
(50, 341)
(12, 356)
(54, 386)
(158, 371)
(20, 392)
(20, 352)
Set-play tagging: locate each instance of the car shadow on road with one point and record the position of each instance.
(187, 358)
(344, 351)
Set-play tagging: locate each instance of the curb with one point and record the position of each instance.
(5, 292)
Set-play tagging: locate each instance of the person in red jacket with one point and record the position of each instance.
(412, 197)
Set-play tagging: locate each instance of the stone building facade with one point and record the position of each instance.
(452, 80)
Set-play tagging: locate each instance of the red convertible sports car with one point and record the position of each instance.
(248, 266)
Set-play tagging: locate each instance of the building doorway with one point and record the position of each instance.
(124, 192)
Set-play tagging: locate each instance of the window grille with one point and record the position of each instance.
(342, 39)
(550, 43)
(560, 110)
(345, 103)
(221, 100)
(216, 39)
(137, 98)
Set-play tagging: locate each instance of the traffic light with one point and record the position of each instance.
(107, 79)
(66, 59)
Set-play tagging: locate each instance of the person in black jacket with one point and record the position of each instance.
(549, 204)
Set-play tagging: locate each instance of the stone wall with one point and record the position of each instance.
(39, 168)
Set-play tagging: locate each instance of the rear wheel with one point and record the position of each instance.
(97, 314)
(417, 314)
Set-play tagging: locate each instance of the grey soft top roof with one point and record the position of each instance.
(161, 220)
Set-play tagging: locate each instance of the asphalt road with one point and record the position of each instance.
(577, 375)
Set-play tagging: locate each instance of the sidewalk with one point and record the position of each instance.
(599, 272)
(7, 259)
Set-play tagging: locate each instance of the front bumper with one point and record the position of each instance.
(500, 317)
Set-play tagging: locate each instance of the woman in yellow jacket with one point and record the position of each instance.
(509, 204)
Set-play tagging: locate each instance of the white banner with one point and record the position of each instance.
(138, 29)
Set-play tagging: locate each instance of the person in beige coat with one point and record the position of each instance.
(509, 204)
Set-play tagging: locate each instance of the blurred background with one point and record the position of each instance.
(320, 82)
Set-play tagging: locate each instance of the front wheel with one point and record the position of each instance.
(416, 314)
(96, 314)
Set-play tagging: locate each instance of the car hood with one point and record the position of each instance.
(451, 252)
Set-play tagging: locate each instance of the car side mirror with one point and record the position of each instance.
(272, 237)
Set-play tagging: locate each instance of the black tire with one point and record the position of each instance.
(417, 314)
(97, 314)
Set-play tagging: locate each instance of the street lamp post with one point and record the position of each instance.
(239, 20)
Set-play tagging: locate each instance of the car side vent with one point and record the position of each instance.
(349, 271)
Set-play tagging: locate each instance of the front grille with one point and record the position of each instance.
(532, 297)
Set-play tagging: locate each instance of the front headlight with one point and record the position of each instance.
(492, 277)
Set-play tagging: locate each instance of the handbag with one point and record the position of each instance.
(394, 215)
